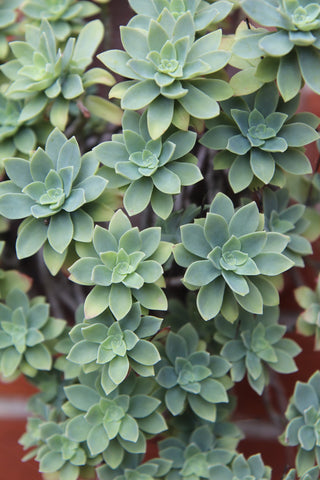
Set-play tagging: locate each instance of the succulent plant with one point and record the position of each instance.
(308, 322)
(312, 474)
(242, 469)
(168, 70)
(289, 220)
(123, 264)
(65, 16)
(192, 377)
(193, 460)
(25, 331)
(203, 12)
(150, 170)
(290, 53)
(51, 191)
(230, 257)
(114, 347)
(303, 414)
(261, 139)
(113, 424)
(253, 343)
(41, 74)
(8, 17)
(154, 468)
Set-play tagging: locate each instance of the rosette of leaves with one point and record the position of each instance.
(15, 135)
(203, 12)
(131, 470)
(8, 16)
(51, 191)
(192, 377)
(303, 414)
(114, 347)
(60, 455)
(150, 170)
(289, 220)
(290, 52)
(42, 74)
(261, 139)
(65, 16)
(123, 264)
(242, 469)
(254, 344)
(26, 329)
(229, 258)
(308, 322)
(193, 460)
(167, 69)
(114, 424)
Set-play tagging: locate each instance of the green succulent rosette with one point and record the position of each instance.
(254, 344)
(8, 17)
(51, 192)
(289, 52)
(65, 16)
(192, 377)
(229, 257)
(203, 12)
(262, 139)
(151, 171)
(43, 75)
(124, 264)
(114, 424)
(242, 469)
(303, 414)
(289, 220)
(308, 322)
(312, 474)
(170, 72)
(115, 347)
(131, 470)
(59, 454)
(26, 330)
(193, 460)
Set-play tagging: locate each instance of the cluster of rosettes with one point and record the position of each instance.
(26, 330)
(123, 264)
(290, 54)
(192, 377)
(261, 139)
(303, 414)
(51, 191)
(229, 257)
(151, 171)
(254, 343)
(169, 70)
(42, 74)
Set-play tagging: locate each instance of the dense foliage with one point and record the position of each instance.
(168, 218)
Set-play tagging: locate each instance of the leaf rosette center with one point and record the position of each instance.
(306, 19)
(54, 197)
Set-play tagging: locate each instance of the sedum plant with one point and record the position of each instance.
(303, 427)
(308, 322)
(149, 170)
(26, 330)
(254, 345)
(229, 258)
(260, 139)
(45, 75)
(122, 393)
(192, 377)
(290, 52)
(51, 192)
(123, 264)
(167, 68)
(113, 347)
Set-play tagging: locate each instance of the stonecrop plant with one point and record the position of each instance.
(162, 213)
